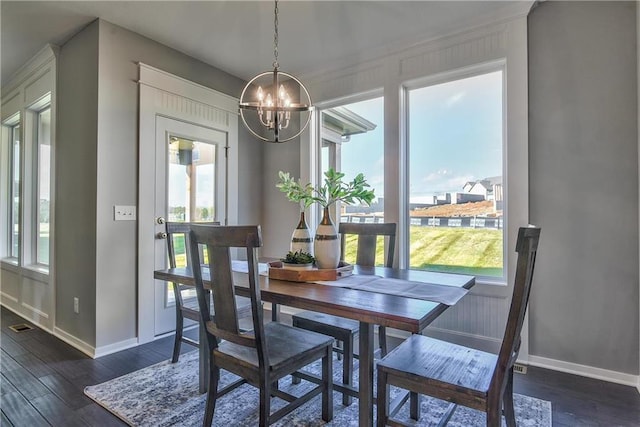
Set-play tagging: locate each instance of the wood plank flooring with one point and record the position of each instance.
(42, 381)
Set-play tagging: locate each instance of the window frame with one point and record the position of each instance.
(37, 109)
(316, 141)
(441, 78)
(8, 132)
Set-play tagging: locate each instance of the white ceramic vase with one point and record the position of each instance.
(301, 239)
(326, 244)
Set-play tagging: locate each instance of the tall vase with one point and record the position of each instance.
(301, 239)
(327, 244)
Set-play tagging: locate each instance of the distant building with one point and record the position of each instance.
(486, 187)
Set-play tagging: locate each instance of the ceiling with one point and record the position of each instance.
(237, 36)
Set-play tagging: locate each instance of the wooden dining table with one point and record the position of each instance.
(368, 308)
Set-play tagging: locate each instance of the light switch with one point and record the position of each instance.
(124, 213)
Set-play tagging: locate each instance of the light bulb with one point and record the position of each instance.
(260, 94)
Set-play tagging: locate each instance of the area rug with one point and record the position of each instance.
(166, 394)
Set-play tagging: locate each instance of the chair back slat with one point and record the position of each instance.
(218, 241)
(367, 241)
(526, 246)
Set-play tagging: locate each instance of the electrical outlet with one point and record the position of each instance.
(76, 305)
(124, 213)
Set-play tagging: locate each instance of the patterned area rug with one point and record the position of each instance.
(166, 394)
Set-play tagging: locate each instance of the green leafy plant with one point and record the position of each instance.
(295, 191)
(299, 257)
(333, 190)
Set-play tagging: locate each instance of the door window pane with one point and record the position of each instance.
(455, 176)
(192, 181)
(191, 192)
(14, 221)
(44, 190)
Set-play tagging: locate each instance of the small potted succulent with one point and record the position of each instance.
(299, 260)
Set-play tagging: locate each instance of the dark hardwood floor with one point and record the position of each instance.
(42, 381)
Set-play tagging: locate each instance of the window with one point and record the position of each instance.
(352, 137)
(43, 199)
(456, 198)
(14, 193)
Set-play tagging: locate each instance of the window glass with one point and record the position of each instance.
(456, 176)
(14, 221)
(191, 192)
(353, 142)
(44, 190)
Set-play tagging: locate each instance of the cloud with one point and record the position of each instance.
(443, 180)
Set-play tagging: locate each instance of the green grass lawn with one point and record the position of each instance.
(461, 250)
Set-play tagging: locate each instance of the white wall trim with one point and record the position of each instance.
(166, 82)
(32, 66)
(585, 371)
(73, 341)
(35, 311)
(10, 298)
(115, 347)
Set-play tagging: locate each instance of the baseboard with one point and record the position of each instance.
(115, 347)
(586, 371)
(75, 342)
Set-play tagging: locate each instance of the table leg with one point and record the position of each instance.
(365, 416)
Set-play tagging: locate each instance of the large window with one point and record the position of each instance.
(352, 138)
(456, 196)
(14, 192)
(43, 198)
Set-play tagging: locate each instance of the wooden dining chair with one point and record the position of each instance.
(345, 330)
(458, 374)
(177, 233)
(269, 352)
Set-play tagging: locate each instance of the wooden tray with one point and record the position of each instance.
(277, 272)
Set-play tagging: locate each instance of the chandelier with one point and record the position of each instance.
(276, 95)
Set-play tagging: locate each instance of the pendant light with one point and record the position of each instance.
(275, 103)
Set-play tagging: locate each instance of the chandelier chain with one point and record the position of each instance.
(275, 36)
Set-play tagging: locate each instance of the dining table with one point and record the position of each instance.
(369, 307)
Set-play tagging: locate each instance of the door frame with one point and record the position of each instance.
(167, 95)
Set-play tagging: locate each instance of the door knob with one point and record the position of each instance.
(160, 220)
(161, 235)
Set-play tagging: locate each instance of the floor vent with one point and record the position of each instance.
(521, 369)
(23, 327)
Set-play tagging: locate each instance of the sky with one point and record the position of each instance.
(455, 136)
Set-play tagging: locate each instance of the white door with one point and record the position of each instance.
(190, 181)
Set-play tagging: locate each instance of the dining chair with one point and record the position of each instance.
(458, 374)
(344, 330)
(269, 352)
(177, 234)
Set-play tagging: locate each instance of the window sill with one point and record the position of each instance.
(10, 264)
(36, 272)
(489, 288)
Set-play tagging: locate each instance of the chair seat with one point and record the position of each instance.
(437, 363)
(326, 324)
(285, 343)
(191, 310)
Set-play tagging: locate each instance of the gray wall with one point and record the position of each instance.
(75, 205)
(103, 270)
(584, 183)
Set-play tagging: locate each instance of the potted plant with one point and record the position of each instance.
(334, 189)
(299, 260)
(301, 239)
